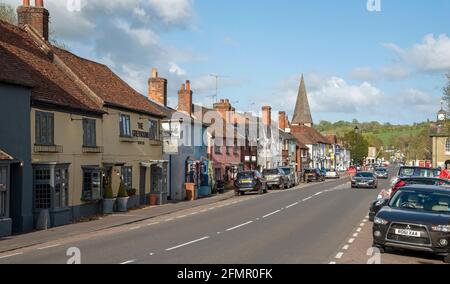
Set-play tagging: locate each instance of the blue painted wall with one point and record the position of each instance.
(15, 140)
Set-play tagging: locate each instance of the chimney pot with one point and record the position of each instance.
(39, 3)
(26, 3)
(188, 85)
(154, 73)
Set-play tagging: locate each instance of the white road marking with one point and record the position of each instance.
(351, 241)
(359, 230)
(188, 243)
(168, 220)
(270, 214)
(319, 193)
(332, 262)
(346, 247)
(238, 226)
(355, 235)
(151, 254)
(292, 205)
(364, 221)
(340, 255)
(11, 255)
(135, 228)
(182, 216)
(306, 199)
(47, 247)
(362, 224)
(151, 224)
(129, 261)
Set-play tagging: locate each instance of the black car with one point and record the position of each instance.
(250, 181)
(416, 218)
(314, 175)
(402, 182)
(364, 179)
(418, 172)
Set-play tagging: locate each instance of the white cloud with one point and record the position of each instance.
(337, 96)
(175, 69)
(363, 74)
(431, 55)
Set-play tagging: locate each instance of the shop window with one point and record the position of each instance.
(89, 133)
(51, 186)
(92, 184)
(125, 125)
(44, 128)
(153, 130)
(127, 177)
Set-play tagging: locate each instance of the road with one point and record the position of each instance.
(307, 225)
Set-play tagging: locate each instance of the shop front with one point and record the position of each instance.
(199, 175)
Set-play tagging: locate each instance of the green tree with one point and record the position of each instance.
(8, 14)
(446, 90)
(358, 146)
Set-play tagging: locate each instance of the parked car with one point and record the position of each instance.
(376, 206)
(381, 173)
(416, 218)
(290, 173)
(313, 175)
(276, 178)
(332, 174)
(364, 180)
(418, 172)
(250, 181)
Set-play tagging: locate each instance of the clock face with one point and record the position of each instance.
(441, 117)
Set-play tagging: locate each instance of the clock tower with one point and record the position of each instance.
(441, 116)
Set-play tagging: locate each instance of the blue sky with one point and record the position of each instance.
(386, 66)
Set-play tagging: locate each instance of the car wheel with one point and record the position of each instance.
(447, 259)
(381, 249)
(237, 193)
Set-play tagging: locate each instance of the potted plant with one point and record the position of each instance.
(122, 199)
(109, 200)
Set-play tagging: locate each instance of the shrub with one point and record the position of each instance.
(122, 191)
(109, 194)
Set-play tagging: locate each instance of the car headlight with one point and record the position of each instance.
(441, 228)
(380, 202)
(380, 221)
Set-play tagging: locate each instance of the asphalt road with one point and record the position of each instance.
(306, 225)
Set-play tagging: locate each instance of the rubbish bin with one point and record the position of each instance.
(191, 191)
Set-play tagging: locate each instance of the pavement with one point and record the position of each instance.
(307, 224)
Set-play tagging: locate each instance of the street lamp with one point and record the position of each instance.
(356, 129)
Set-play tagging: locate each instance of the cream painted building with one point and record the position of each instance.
(440, 136)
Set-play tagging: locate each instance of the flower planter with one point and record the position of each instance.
(122, 204)
(108, 206)
(133, 202)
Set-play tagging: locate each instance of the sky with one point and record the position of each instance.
(386, 66)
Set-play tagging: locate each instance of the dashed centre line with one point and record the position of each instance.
(292, 205)
(11, 255)
(270, 214)
(129, 261)
(188, 243)
(239, 226)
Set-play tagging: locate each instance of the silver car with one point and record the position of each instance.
(290, 173)
(276, 178)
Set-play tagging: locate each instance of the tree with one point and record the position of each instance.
(446, 91)
(357, 145)
(8, 14)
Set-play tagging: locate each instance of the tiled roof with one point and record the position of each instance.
(308, 135)
(5, 157)
(26, 63)
(108, 86)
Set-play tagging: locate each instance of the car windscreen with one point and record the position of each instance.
(406, 172)
(427, 181)
(286, 171)
(244, 175)
(381, 170)
(271, 172)
(421, 201)
(364, 175)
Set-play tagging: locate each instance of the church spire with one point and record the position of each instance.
(302, 113)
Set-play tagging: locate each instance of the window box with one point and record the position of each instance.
(94, 150)
(48, 148)
(129, 139)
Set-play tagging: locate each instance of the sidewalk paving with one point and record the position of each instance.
(104, 222)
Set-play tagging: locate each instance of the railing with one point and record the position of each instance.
(3, 205)
(93, 149)
(48, 149)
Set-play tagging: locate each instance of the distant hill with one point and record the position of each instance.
(384, 132)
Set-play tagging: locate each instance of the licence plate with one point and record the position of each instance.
(247, 181)
(408, 233)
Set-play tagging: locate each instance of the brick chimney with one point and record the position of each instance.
(185, 98)
(157, 88)
(282, 120)
(267, 115)
(36, 17)
(224, 108)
